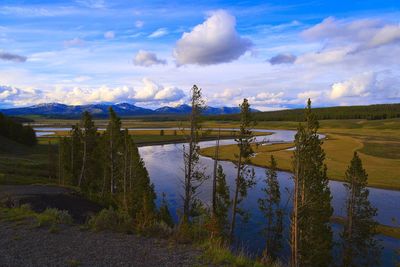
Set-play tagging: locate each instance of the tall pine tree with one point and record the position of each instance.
(311, 236)
(194, 174)
(222, 203)
(272, 211)
(360, 248)
(245, 176)
(88, 172)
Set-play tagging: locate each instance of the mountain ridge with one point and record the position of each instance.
(122, 109)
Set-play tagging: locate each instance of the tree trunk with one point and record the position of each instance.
(295, 226)
(111, 161)
(235, 200)
(83, 163)
(125, 171)
(214, 192)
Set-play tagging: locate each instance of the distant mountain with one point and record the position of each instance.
(101, 110)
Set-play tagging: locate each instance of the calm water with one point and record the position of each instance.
(165, 166)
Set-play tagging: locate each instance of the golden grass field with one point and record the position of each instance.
(378, 143)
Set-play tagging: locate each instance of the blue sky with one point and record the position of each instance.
(276, 53)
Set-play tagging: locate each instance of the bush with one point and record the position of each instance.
(51, 217)
(110, 219)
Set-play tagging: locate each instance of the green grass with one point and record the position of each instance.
(389, 150)
(218, 254)
(23, 165)
(391, 231)
(50, 217)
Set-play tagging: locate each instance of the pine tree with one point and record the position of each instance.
(142, 194)
(245, 176)
(194, 175)
(272, 211)
(311, 236)
(75, 154)
(89, 142)
(113, 138)
(222, 202)
(214, 189)
(164, 213)
(360, 248)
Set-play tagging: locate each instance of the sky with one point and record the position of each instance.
(150, 53)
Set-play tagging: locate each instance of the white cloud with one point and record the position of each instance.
(109, 35)
(327, 56)
(387, 34)
(309, 94)
(228, 94)
(159, 33)
(147, 59)
(149, 92)
(214, 41)
(358, 86)
(362, 33)
(267, 98)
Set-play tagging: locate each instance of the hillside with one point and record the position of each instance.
(371, 112)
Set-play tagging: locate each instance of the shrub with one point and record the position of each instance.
(110, 219)
(51, 217)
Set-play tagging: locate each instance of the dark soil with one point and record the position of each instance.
(41, 197)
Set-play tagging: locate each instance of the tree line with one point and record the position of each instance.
(108, 167)
(16, 131)
(371, 112)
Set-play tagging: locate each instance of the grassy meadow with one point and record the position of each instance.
(378, 143)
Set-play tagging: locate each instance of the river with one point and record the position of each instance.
(165, 166)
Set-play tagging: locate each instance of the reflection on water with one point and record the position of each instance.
(165, 164)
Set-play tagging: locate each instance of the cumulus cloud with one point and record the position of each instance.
(282, 59)
(214, 41)
(147, 59)
(357, 86)
(12, 57)
(159, 33)
(149, 92)
(109, 35)
(267, 98)
(228, 94)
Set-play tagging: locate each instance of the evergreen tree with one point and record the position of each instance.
(222, 202)
(75, 155)
(245, 176)
(164, 213)
(89, 142)
(360, 248)
(113, 142)
(142, 194)
(311, 237)
(272, 211)
(194, 175)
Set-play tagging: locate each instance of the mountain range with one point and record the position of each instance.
(101, 110)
